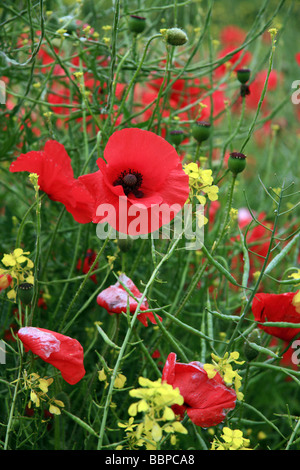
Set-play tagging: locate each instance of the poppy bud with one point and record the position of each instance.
(25, 291)
(236, 162)
(176, 137)
(136, 24)
(243, 75)
(249, 352)
(175, 36)
(201, 130)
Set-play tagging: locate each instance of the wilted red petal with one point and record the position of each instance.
(206, 401)
(63, 352)
(115, 300)
(276, 308)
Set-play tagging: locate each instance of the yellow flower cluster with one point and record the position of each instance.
(201, 181)
(38, 392)
(155, 401)
(224, 367)
(233, 440)
(119, 380)
(19, 267)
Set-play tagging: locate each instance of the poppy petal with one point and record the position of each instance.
(63, 352)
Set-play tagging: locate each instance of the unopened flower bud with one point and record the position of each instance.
(237, 162)
(175, 36)
(136, 24)
(201, 130)
(250, 352)
(25, 291)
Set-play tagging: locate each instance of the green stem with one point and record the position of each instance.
(125, 343)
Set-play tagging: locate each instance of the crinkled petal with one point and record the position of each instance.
(63, 352)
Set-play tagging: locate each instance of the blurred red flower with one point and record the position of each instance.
(257, 239)
(142, 174)
(56, 179)
(257, 86)
(276, 308)
(232, 35)
(5, 281)
(115, 299)
(206, 401)
(236, 60)
(63, 352)
(87, 263)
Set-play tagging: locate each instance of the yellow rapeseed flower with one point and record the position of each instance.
(155, 400)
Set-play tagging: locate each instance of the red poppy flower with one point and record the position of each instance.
(206, 401)
(238, 59)
(63, 352)
(87, 263)
(56, 178)
(257, 87)
(115, 299)
(257, 239)
(232, 35)
(276, 308)
(142, 175)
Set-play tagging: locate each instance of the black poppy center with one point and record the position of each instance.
(131, 182)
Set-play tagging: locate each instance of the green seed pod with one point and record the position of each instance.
(176, 37)
(25, 291)
(176, 137)
(201, 130)
(236, 162)
(136, 24)
(249, 352)
(243, 75)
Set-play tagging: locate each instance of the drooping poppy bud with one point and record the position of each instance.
(236, 162)
(63, 352)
